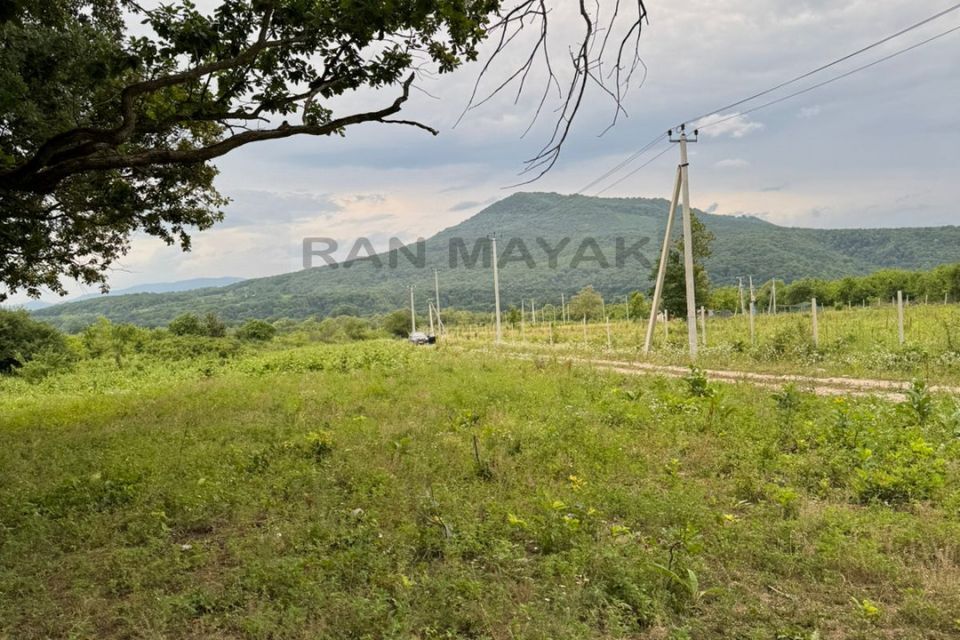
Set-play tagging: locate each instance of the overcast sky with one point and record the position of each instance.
(881, 148)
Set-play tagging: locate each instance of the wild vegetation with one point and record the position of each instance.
(380, 490)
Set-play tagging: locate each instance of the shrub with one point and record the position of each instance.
(23, 339)
(257, 330)
(186, 324)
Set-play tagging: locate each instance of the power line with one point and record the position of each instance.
(831, 80)
(625, 162)
(634, 156)
(829, 64)
(634, 172)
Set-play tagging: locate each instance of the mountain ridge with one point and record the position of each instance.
(744, 245)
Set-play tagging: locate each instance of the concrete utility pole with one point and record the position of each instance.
(413, 313)
(496, 286)
(753, 310)
(662, 268)
(688, 248)
(563, 308)
(681, 187)
(436, 288)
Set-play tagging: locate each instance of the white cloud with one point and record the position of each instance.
(735, 125)
(732, 163)
(810, 112)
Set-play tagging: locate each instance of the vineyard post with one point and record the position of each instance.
(703, 324)
(900, 316)
(584, 328)
(609, 340)
(753, 306)
(563, 308)
(816, 328)
(523, 312)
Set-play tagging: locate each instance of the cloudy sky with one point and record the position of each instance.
(880, 148)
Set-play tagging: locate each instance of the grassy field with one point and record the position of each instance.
(860, 342)
(379, 490)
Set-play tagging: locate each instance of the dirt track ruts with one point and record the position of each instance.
(827, 386)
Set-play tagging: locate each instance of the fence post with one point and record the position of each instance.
(816, 328)
(900, 316)
(703, 324)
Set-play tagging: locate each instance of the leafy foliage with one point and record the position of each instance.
(674, 298)
(109, 131)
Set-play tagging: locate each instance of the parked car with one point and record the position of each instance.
(418, 337)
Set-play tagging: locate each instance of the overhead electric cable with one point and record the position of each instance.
(831, 80)
(803, 76)
(637, 154)
(634, 172)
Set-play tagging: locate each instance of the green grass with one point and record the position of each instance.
(860, 342)
(384, 491)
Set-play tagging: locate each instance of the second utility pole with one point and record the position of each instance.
(681, 188)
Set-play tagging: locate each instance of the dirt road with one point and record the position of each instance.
(828, 386)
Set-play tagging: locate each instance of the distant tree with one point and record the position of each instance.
(674, 298)
(639, 306)
(256, 330)
(213, 326)
(187, 324)
(397, 323)
(513, 316)
(586, 303)
(726, 299)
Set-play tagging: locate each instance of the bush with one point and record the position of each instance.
(189, 324)
(186, 324)
(23, 339)
(256, 330)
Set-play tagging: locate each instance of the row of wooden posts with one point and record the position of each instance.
(750, 312)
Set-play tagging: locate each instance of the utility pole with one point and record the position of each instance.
(662, 268)
(496, 286)
(753, 310)
(681, 188)
(413, 313)
(436, 288)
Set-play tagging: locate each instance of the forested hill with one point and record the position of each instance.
(744, 246)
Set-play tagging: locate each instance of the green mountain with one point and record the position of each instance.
(530, 225)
